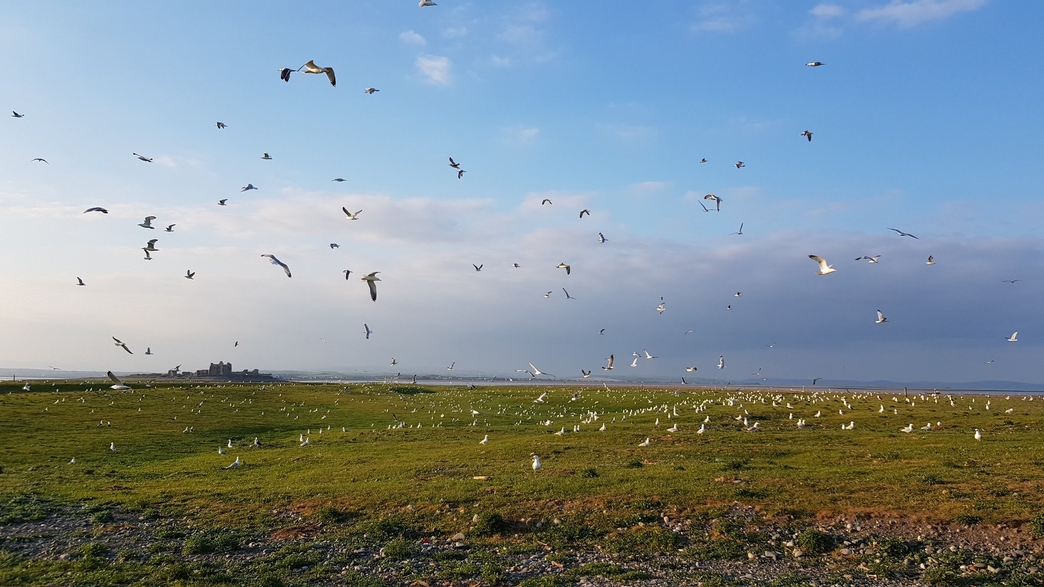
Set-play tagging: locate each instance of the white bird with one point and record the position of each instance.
(564, 266)
(602, 429)
(170, 227)
(72, 461)
(350, 215)
(367, 331)
(221, 450)
(869, 258)
(536, 462)
(978, 435)
(485, 439)
(311, 67)
(450, 368)
(609, 365)
(716, 199)
(229, 443)
(112, 445)
(927, 426)
(117, 384)
(247, 187)
(721, 362)
(151, 245)
(275, 261)
(673, 428)
(644, 442)
(371, 91)
(634, 363)
(807, 134)
(424, 3)
(824, 268)
(601, 238)
(880, 318)
(235, 464)
(901, 233)
(647, 355)
(540, 399)
(739, 164)
(908, 429)
(660, 308)
(538, 371)
(690, 369)
(266, 157)
(702, 429)
(931, 260)
(1014, 337)
(371, 280)
(122, 345)
(148, 222)
(586, 374)
(814, 64)
(143, 158)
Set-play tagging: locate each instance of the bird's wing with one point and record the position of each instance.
(330, 74)
(286, 269)
(310, 67)
(114, 378)
(704, 207)
(373, 290)
(822, 262)
(880, 316)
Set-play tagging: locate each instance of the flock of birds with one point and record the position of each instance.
(648, 416)
(371, 278)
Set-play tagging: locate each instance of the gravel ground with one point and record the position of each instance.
(858, 552)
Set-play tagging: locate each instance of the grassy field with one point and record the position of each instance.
(381, 458)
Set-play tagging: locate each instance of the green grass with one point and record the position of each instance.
(387, 488)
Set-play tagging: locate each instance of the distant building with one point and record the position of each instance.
(219, 369)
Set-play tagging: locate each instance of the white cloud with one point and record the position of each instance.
(630, 132)
(455, 32)
(435, 68)
(915, 12)
(724, 18)
(827, 11)
(522, 134)
(650, 187)
(412, 38)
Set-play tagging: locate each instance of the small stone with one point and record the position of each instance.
(798, 553)
(751, 556)
(457, 537)
(846, 551)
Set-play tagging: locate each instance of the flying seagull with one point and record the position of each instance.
(339, 179)
(634, 363)
(901, 233)
(546, 201)
(564, 266)
(220, 125)
(931, 260)
(548, 294)
(568, 297)
(367, 331)
(516, 265)
(1014, 337)
(721, 361)
(80, 281)
(222, 201)
(350, 215)
(585, 211)
(740, 232)
(371, 280)
(705, 209)
(96, 209)
(123, 345)
(647, 355)
(16, 115)
(148, 222)
(807, 134)
(703, 160)
(690, 369)
(117, 384)
(823, 267)
(739, 164)
(869, 258)
(170, 227)
(450, 368)
(813, 64)
(453, 163)
(275, 261)
(247, 187)
(537, 371)
(189, 274)
(346, 272)
(311, 67)
(609, 365)
(148, 350)
(478, 267)
(1011, 281)
(151, 245)
(460, 173)
(335, 246)
(39, 159)
(143, 157)
(717, 200)
(601, 238)
(371, 91)
(266, 157)
(148, 257)
(881, 318)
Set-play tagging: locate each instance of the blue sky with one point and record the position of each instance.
(925, 117)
